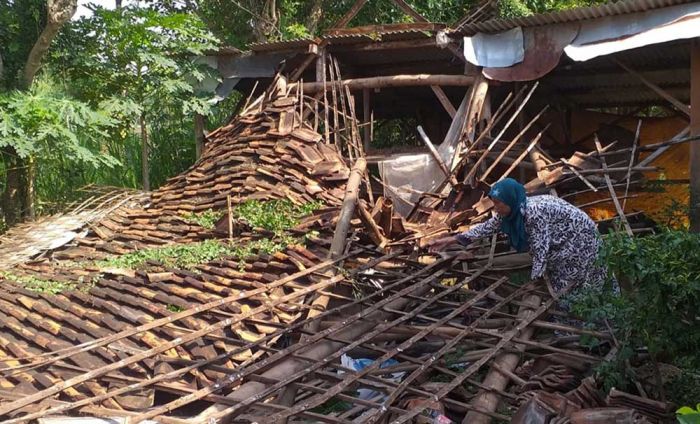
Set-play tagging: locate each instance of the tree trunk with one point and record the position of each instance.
(30, 194)
(315, 16)
(58, 12)
(118, 4)
(199, 121)
(12, 197)
(144, 154)
(19, 195)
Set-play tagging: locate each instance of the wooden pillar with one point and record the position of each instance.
(320, 64)
(694, 160)
(366, 118)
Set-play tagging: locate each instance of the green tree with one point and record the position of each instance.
(28, 28)
(45, 127)
(270, 20)
(144, 62)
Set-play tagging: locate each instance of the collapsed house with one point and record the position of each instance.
(354, 321)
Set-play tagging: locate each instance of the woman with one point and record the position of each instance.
(562, 239)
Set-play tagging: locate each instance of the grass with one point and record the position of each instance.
(47, 286)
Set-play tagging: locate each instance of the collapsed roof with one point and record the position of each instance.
(353, 323)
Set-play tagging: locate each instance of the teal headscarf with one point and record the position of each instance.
(512, 193)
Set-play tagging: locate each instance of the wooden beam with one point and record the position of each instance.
(409, 10)
(446, 103)
(345, 20)
(311, 56)
(694, 131)
(391, 81)
(436, 155)
(655, 88)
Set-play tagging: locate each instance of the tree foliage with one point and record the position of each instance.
(54, 129)
(130, 78)
(145, 64)
(21, 22)
(137, 55)
(46, 123)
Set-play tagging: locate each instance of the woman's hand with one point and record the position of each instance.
(441, 244)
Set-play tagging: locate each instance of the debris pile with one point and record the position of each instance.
(358, 325)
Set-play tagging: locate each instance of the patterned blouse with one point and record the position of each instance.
(564, 242)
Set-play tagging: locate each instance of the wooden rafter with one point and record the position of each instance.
(655, 88)
(444, 101)
(391, 81)
(354, 10)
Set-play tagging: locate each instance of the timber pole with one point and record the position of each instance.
(499, 376)
(340, 235)
(366, 118)
(317, 350)
(391, 81)
(694, 160)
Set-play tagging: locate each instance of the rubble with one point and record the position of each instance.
(270, 337)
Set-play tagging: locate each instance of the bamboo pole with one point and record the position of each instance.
(498, 379)
(340, 234)
(512, 143)
(316, 348)
(631, 164)
(475, 167)
(694, 161)
(616, 202)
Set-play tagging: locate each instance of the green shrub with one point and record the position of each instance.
(47, 286)
(206, 219)
(660, 311)
(688, 415)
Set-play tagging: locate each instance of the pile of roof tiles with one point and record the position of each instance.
(207, 332)
(267, 153)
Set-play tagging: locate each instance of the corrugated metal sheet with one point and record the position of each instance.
(396, 35)
(571, 15)
(601, 82)
(296, 43)
(362, 35)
